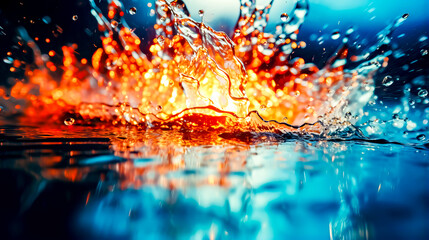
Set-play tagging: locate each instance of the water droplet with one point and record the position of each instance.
(161, 40)
(371, 103)
(132, 11)
(237, 33)
(159, 108)
(171, 83)
(285, 119)
(335, 35)
(114, 23)
(263, 107)
(405, 16)
(387, 81)
(46, 19)
(348, 115)
(201, 13)
(350, 30)
(423, 38)
(8, 60)
(423, 93)
(421, 137)
(424, 52)
(411, 102)
(284, 17)
(407, 90)
(75, 17)
(395, 116)
(69, 121)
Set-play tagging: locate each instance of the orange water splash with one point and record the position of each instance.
(196, 77)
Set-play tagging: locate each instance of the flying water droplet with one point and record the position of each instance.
(161, 40)
(421, 137)
(423, 93)
(263, 107)
(424, 52)
(8, 60)
(407, 90)
(387, 81)
(348, 115)
(69, 121)
(423, 38)
(395, 116)
(285, 119)
(412, 102)
(75, 18)
(335, 35)
(237, 33)
(201, 13)
(159, 108)
(114, 23)
(171, 83)
(132, 11)
(46, 19)
(284, 17)
(350, 30)
(405, 16)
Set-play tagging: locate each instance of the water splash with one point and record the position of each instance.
(199, 77)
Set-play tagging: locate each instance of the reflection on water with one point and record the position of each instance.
(124, 183)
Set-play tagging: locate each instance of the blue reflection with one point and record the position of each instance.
(296, 190)
(156, 213)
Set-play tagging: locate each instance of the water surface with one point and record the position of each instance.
(124, 183)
